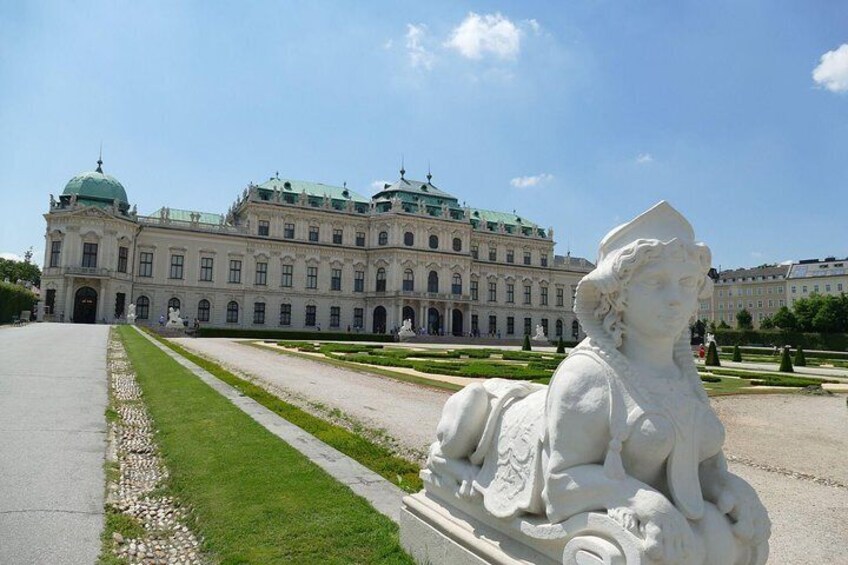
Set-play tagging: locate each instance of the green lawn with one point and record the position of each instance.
(254, 498)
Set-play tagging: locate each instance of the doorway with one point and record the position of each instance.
(409, 314)
(379, 321)
(85, 306)
(456, 322)
(434, 321)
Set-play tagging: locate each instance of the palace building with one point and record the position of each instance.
(300, 255)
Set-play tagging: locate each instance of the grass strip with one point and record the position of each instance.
(255, 499)
(379, 459)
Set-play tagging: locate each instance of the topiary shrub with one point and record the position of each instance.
(737, 355)
(786, 362)
(712, 356)
(800, 358)
(560, 345)
(526, 346)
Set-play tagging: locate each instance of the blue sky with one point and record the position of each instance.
(578, 115)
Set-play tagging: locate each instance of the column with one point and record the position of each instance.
(69, 299)
(447, 324)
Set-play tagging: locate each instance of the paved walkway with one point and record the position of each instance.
(52, 443)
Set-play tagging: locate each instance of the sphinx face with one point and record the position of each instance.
(661, 297)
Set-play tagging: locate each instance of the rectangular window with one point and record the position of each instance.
(176, 271)
(528, 294)
(145, 264)
(206, 264)
(311, 277)
(815, 288)
(258, 312)
(510, 256)
(235, 271)
(510, 293)
(759, 303)
(337, 236)
(288, 231)
(336, 280)
(55, 252)
(510, 325)
(89, 255)
(313, 233)
(780, 290)
(50, 300)
(543, 299)
(544, 260)
(560, 297)
(359, 281)
(264, 227)
(358, 318)
(493, 254)
(285, 314)
(335, 316)
(527, 257)
(360, 239)
(203, 311)
(261, 273)
(839, 287)
(493, 291)
(475, 325)
(123, 259)
(493, 325)
(827, 288)
(286, 281)
(528, 326)
(475, 251)
(310, 316)
(474, 289)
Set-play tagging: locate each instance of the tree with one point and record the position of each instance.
(526, 346)
(723, 325)
(785, 361)
(830, 317)
(560, 345)
(712, 326)
(20, 270)
(785, 319)
(712, 356)
(767, 323)
(744, 320)
(806, 309)
(800, 358)
(737, 355)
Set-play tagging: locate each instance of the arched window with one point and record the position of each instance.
(383, 238)
(408, 280)
(433, 242)
(559, 328)
(575, 329)
(457, 244)
(174, 303)
(381, 280)
(456, 284)
(433, 282)
(142, 308)
(409, 239)
(232, 312)
(203, 308)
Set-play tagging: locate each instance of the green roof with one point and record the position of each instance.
(296, 187)
(185, 216)
(414, 190)
(96, 185)
(511, 221)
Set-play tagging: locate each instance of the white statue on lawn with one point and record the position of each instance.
(131, 314)
(540, 334)
(174, 320)
(620, 458)
(406, 330)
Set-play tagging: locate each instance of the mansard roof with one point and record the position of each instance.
(297, 187)
(414, 190)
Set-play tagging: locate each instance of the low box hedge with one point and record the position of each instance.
(828, 342)
(293, 334)
(14, 299)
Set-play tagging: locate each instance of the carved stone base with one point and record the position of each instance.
(437, 532)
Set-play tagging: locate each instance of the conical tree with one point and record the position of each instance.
(737, 355)
(560, 345)
(712, 356)
(800, 358)
(526, 346)
(786, 362)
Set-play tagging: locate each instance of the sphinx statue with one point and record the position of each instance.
(540, 334)
(406, 332)
(619, 460)
(174, 319)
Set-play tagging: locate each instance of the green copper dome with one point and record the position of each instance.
(96, 185)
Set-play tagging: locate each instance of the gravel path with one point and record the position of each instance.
(790, 447)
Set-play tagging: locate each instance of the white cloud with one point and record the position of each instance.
(534, 25)
(644, 158)
(492, 34)
(531, 181)
(832, 71)
(757, 254)
(419, 56)
(11, 256)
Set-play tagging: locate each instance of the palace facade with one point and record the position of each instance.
(291, 254)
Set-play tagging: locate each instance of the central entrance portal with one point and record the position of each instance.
(434, 322)
(409, 314)
(379, 320)
(456, 321)
(85, 306)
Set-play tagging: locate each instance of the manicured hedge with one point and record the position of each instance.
(830, 342)
(283, 334)
(14, 299)
(807, 354)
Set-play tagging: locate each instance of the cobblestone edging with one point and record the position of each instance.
(137, 491)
